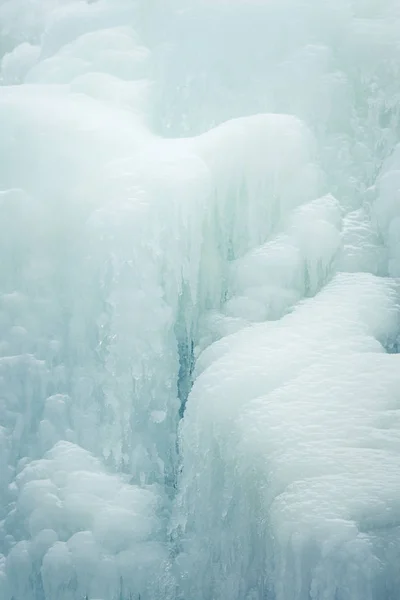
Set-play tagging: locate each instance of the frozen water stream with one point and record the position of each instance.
(199, 300)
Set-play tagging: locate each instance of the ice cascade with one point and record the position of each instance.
(199, 300)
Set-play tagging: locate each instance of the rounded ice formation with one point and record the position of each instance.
(199, 304)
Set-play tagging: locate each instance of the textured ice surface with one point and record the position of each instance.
(288, 421)
(199, 212)
(85, 527)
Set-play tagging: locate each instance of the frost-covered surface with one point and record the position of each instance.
(309, 495)
(199, 303)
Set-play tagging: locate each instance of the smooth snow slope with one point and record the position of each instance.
(199, 209)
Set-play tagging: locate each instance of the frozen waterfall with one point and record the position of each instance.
(199, 300)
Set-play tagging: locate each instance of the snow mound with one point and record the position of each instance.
(288, 420)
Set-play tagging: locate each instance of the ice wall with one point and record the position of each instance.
(288, 486)
(198, 194)
(290, 438)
